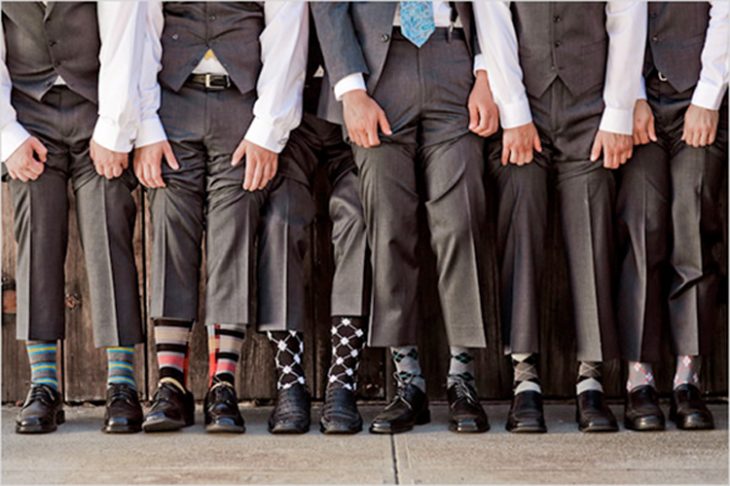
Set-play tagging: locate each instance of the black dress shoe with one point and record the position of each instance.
(642, 412)
(592, 413)
(525, 413)
(465, 412)
(123, 411)
(688, 410)
(221, 409)
(172, 409)
(339, 413)
(42, 411)
(408, 408)
(291, 414)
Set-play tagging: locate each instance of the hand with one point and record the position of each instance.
(261, 164)
(108, 163)
(518, 144)
(27, 162)
(483, 112)
(148, 163)
(617, 148)
(362, 118)
(643, 123)
(700, 126)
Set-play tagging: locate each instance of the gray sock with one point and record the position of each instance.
(589, 377)
(461, 366)
(640, 374)
(687, 371)
(525, 373)
(407, 366)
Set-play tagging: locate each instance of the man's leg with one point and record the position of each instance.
(643, 228)
(696, 175)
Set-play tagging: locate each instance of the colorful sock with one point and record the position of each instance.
(348, 341)
(172, 342)
(289, 348)
(43, 365)
(589, 377)
(120, 366)
(407, 366)
(688, 371)
(461, 366)
(640, 374)
(226, 349)
(525, 376)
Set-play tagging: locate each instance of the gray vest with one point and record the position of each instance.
(45, 42)
(676, 37)
(565, 40)
(232, 30)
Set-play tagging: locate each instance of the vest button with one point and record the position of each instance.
(556, 19)
(655, 38)
(557, 43)
(51, 43)
(211, 18)
(385, 37)
(175, 37)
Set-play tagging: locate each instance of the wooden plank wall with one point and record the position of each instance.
(84, 371)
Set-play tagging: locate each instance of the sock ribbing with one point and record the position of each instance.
(43, 364)
(120, 366)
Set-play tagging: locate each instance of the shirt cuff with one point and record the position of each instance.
(150, 131)
(642, 89)
(110, 135)
(479, 63)
(267, 135)
(12, 136)
(349, 83)
(708, 96)
(515, 113)
(616, 120)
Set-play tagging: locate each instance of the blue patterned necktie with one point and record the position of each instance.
(416, 19)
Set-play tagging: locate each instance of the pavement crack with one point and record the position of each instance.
(394, 457)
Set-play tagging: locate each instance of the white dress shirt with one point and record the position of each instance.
(122, 35)
(714, 74)
(442, 18)
(626, 25)
(278, 108)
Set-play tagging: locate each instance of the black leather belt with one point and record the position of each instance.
(212, 82)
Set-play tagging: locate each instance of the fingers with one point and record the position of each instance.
(270, 172)
(170, 156)
(371, 135)
(536, 144)
(238, 154)
(40, 150)
(712, 136)
(596, 149)
(652, 130)
(384, 123)
(248, 178)
(473, 116)
(505, 153)
(484, 121)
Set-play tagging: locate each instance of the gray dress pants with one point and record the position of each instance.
(670, 224)
(64, 122)
(430, 157)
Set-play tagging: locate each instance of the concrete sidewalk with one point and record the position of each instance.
(80, 453)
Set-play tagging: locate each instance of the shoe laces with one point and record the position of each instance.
(39, 393)
(400, 393)
(463, 390)
(223, 391)
(119, 392)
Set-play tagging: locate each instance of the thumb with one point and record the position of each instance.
(384, 123)
(238, 154)
(39, 149)
(170, 156)
(596, 150)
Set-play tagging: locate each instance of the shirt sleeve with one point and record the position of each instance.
(498, 43)
(122, 36)
(626, 24)
(150, 128)
(284, 45)
(12, 133)
(712, 84)
(353, 82)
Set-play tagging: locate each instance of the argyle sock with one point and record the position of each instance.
(224, 346)
(289, 348)
(640, 374)
(43, 365)
(461, 366)
(407, 366)
(348, 340)
(687, 371)
(172, 342)
(589, 377)
(525, 376)
(120, 366)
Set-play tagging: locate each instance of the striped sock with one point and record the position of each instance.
(224, 345)
(43, 365)
(120, 366)
(172, 342)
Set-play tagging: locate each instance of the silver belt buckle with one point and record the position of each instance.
(662, 77)
(207, 81)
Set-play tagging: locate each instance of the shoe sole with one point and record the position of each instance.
(422, 419)
(598, 429)
(121, 429)
(471, 428)
(527, 429)
(287, 431)
(225, 429)
(644, 427)
(42, 429)
(329, 429)
(163, 426)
